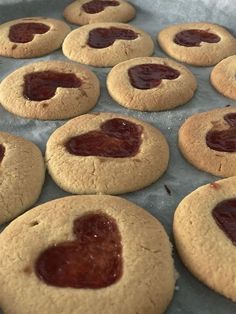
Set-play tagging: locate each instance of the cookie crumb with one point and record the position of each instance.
(167, 189)
(214, 185)
(228, 106)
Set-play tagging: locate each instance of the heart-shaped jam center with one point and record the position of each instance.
(225, 216)
(42, 85)
(96, 6)
(93, 260)
(116, 138)
(24, 32)
(194, 37)
(105, 37)
(146, 76)
(2, 152)
(223, 140)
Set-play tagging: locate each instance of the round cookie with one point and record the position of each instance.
(98, 44)
(146, 271)
(223, 77)
(151, 84)
(50, 90)
(208, 141)
(83, 12)
(200, 44)
(31, 37)
(106, 153)
(204, 231)
(22, 175)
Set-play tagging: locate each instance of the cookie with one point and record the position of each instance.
(200, 44)
(95, 11)
(208, 141)
(50, 90)
(223, 77)
(106, 44)
(74, 252)
(106, 153)
(21, 175)
(151, 84)
(31, 37)
(204, 231)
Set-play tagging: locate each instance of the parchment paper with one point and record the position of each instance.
(191, 297)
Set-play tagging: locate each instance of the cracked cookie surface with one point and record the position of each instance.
(207, 141)
(169, 93)
(119, 11)
(202, 245)
(21, 175)
(148, 273)
(65, 103)
(105, 175)
(40, 44)
(76, 48)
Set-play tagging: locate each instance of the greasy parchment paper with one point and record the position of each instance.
(190, 296)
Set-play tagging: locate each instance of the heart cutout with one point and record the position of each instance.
(116, 138)
(225, 216)
(42, 85)
(105, 37)
(2, 152)
(194, 37)
(224, 140)
(93, 260)
(24, 32)
(146, 76)
(96, 6)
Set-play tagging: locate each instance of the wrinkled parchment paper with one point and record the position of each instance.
(191, 297)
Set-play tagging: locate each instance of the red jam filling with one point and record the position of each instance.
(225, 216)
(146, 76)
(42, 85)
(96, 6)
(224, 140)
(116, 138)
(105, 37)
(93, 260)
(24, 32)
(194, 37)
(2, 152)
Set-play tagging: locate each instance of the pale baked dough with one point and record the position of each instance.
(41, 44)
(21, 176)
(223, 77)
(192, 142)
(169, 94)
(75, 14)
(207, 54)
(204, 247)
(148, 279)
(105, 175)
(75, 46)
(66, 103)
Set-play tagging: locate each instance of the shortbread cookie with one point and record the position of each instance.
(94, 11)
(106, 153)
(223, 77)
(50, 90)
(208, 141)
(31, 37)
(21, 175)
(151, 84)
(201, 44)
(106, 44)
(204, 231)
(81, 252)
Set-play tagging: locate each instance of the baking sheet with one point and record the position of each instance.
(191, 297)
